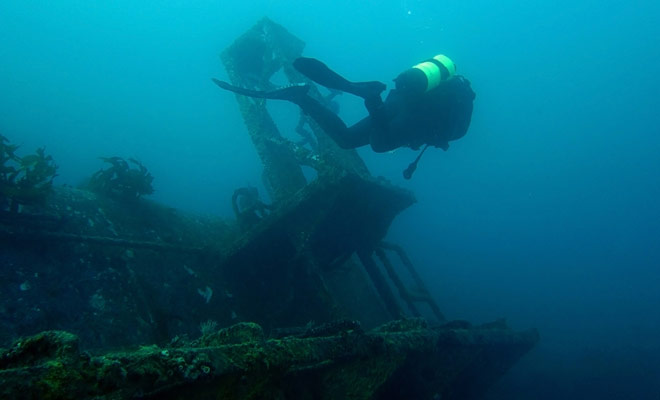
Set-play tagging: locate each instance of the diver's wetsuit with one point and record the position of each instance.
(435, 117)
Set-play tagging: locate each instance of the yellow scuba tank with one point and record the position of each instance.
(426, 75)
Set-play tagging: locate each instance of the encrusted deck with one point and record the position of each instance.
(399, 360)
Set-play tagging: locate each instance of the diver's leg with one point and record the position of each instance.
(327, 120)
(346, 138)
(321, 74)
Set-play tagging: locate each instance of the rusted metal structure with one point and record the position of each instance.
(251, 61)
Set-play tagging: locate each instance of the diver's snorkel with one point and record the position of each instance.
(407, 173)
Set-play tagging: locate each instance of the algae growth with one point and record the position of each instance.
(26, 180)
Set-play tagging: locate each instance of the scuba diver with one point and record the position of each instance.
(430, 105)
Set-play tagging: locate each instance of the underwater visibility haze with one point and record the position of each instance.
(546, 213)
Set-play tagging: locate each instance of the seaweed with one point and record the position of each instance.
(26, 180)
(121, 181)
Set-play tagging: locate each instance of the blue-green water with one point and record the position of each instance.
(546, 212)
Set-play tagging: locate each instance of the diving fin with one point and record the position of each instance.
(321, 74)
(291, 93)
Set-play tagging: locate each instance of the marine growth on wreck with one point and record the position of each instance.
(107, 294)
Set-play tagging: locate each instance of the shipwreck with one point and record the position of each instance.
(109, 295)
